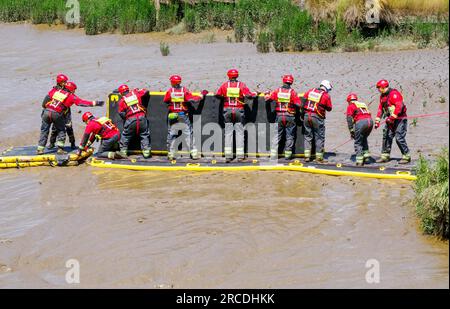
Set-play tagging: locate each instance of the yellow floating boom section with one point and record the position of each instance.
(297, 167)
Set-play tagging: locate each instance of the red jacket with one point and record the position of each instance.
(391, 104)
(358, 111)
(286, 100)
(102, 127)
(178, 99)
(317, 101)
(61, 100)
(234, 93)
(130, 105)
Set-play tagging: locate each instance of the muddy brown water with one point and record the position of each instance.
(217, 229)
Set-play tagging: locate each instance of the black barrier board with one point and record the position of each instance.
(205, 114)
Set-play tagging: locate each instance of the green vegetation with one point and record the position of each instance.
(279, 25)
(164, 48)
(432, 198)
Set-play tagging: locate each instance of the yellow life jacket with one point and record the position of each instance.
(60, 96)
(131, 100)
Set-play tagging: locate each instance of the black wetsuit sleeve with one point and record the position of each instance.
(350, 123)
(85, 139)
(45, 101)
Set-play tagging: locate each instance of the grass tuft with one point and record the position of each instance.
(431, 188)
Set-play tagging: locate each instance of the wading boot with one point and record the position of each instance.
(405, 159)
(119, 155)
(194, 154)
(384, 158)
(147, 154)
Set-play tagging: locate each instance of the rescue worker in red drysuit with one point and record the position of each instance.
(101, 129)
(61, 80)
(287, 102)
(134, 113)
(55, 105)
(360, 125)
(317, 103)
(393, 107)
(234, 93)
(178, 99)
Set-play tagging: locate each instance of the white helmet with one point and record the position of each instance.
(327, 85)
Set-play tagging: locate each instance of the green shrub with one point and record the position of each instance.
(263, 42)
(164, 48)
(301, 34)
(168, 16)
(239, 32)
(432, 199)
(325, 36)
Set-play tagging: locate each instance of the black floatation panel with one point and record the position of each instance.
(257, 112)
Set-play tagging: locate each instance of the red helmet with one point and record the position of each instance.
(233, 73)
(71, 86)
(175, 79)
(86, 116)
(61, 78)
(123, 88)
(288, 79)
(383, 84)
(352, 97)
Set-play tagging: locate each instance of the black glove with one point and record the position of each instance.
(99, 103)
(352, 134)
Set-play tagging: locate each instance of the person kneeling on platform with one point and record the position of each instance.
(178, 99)
(360, 124)
(134, 113)
(55, 104)
(286, 100)
(101, 129)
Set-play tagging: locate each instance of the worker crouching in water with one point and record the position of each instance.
(286, 101)
(393, 107)
(179, 99)
(360, 124)
(55, 104)
(317, 103)
(234, 93)
(134, 114)
(101, 129)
